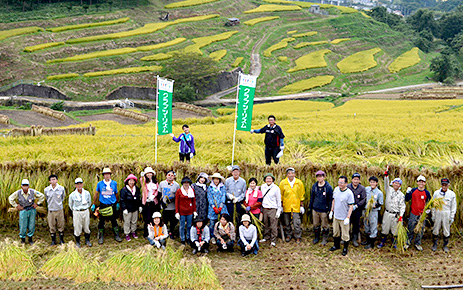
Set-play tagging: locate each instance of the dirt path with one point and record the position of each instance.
(256, 66)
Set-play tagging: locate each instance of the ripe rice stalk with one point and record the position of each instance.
(369, 206)
(208, 278)
(436, 203)
(15, 262)
(402, 236)
(255, 221)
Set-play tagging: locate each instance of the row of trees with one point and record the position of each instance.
(30, 5)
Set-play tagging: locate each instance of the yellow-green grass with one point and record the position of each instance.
(42, 46)
(237, 61)
(339, 40)
(157, 56)
(311, 43)
(254, 21)
(312, 60)
(273, 8)
(19, 31)
(283, 58)
(303, 4)
(88, 25)
(188, 3)
(282, 44)
(201, 42)
(291, 32)
(364, 14)
(304, 85)
(218, 54)
(128, 70)
(359, 62)
(146, 29)
(309, 33)
(62, 76)
(407, 59)
(161, 45)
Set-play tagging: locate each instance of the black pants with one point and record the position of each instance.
(271, 152)
(169, 217)
(355, 220)
(148, 209)
(112, 218)
(204, 247)
(184, 156)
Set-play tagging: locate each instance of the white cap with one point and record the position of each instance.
(25, 182)
(78, 180)
(156, 215)
(421, 178)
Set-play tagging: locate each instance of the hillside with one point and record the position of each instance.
(284, 43)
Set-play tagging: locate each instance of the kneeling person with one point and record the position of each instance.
(157, 232)
(200, 237)
(79, 203)
(224, 232)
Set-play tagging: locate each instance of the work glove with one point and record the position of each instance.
(433, 218)
(220, 210)
(386, 173)
(330, 216)
(93, 207)
(451, 221)
(346, 221)
(195, 214)
(409, 189)
(400, 218)
(140, 209)
(118, 207)
(157, 244)
(235, 200)
(177, 216)
(355, 207)
(302, 210)
(216, 210)
(142, 173)
(277, 215)
(125, 211)
(248, 208)
(230, 196)
(280, 154)
(428, 211)
(197, 244)
(252, 131)
(191, 155)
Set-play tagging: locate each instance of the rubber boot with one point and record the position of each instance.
(61, 238)
(30, 241)
(382, 243)
(365, 242)
(337, 244)
(116, 234)
(77, 241)
(355, 239)
(23, 240)
(87, 240)
(317, 235)
(394, 243)
(346, 247)
(53, 239)
(446, 242)
(435, 240)
(100, 237)
(370, 243)
(325, 236)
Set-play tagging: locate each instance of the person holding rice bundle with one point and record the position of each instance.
(216, 200)
(157, 232)
(131, 206)
(200, 188)
(186, 148)
(271, 209)
(200, 237)
(360, 197)
(169, 188)
(106, 195)
(24, 201)
(235, 186)
(374, 202)
(321, 197)
(253, 198)
(55, 195)
(443, 218)
(394, 209)
(79, 202)
(248, 237)
(185, 208)
(418, 196)
(225, 235)
(151, 197)
(292, 195)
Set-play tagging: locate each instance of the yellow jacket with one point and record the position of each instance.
(292, 197)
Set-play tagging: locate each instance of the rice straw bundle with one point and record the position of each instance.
(255, 221)
(402, 236)
(15, 262)
(40, 209)
(436, 203)
(369, 206)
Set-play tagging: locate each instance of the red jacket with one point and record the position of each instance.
(183, 204)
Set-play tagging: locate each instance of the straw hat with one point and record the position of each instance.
(106, 170)
(148, 170)
(217, 175)
(245, 218)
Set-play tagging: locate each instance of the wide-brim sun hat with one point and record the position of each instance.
(217, 175)
(149, 170)
(106, 170)
(245, 218)
(131, 176)
(157, 215)
(269, 174)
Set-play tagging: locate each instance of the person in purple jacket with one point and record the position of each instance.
(187, 144)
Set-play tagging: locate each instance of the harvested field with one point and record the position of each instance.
(29, 118)
(111, 117)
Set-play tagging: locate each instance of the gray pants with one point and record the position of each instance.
(412, 221)
(130, 222)
(270, 224)
(81, 221)
(296, 217)
(371, 224)
(441, 220)
(389, 224)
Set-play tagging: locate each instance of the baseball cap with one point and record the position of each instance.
(290, 169)
(421, 178)
(25, 182)
(444, 181)
(320, 172)
(356, 174)
(397, 180)
(236, 167)
(78, 180)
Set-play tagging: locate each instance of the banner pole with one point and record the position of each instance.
(236, 116)
(156, 124)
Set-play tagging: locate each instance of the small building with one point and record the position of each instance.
(314, 9)
(232, 21)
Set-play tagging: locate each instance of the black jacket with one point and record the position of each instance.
(129, 201)
(321, 201)
(273, 135)
(360, 195)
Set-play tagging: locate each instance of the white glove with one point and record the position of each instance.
(282, 148)
(433, 218)
(197, 244)
(252, 131)
(142, 173)
(409, 189)
(235, 200)
(140, 209)
(280, 154)
(346, 221)
(191, 155)
(195, 214)
(177, 216)
(224, 246)
(277, 215)
(157, 244)
(428, 211)
(302, 210)
(451, 221)
(230, 196)
(330, 216)
(125, 211)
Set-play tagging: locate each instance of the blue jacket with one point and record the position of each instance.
(321, 201)
(216, 196)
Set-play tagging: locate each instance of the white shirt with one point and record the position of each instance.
(272, 198)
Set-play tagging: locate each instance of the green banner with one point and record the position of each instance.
(164, 116)
(247, 88)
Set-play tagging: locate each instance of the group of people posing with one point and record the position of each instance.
(208, 209)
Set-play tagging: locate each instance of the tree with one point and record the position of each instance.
(423, 19)
(451, 24)
(445, 67)
(424, 40)
(457, 43)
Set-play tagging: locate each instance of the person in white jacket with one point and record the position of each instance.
(271, 209)
(445, 217)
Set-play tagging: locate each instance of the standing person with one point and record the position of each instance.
(106, 195)
(248, 237)
(235, 187)
(253, 198)
(419, 196)
(321, 198)
(151, 197)
(445, 217)
(271, 209)
(186, 147)
(79, 202)
(55, 195)
(185, 208)
(131, 206)
(225, 234)
(341, 210)
(360, 197)
(371, 221)
(200, 188)
(24, 201)
(168, 188)
(200, 237)
(395, 208)
(292, 195)
(274, 144)
(157, 232)
(216, 200)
